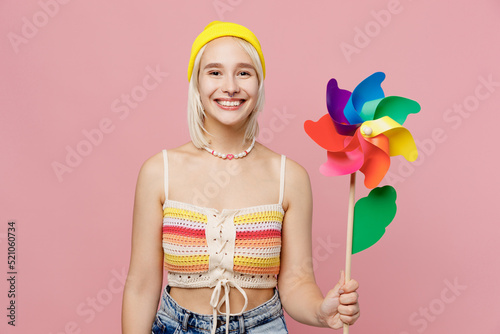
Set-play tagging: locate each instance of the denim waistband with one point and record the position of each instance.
(263, 313)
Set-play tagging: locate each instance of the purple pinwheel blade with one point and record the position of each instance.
(336, 100)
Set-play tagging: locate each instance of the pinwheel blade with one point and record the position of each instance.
(372, 214)
(377, 159)
(342, 163)
(336, 100)
(367, 90)
(368, 111)
(400, 139)
(323, 132)
(396, 107)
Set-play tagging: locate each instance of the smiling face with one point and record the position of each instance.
(228, 83)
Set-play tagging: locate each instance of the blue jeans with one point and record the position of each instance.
(265, 318)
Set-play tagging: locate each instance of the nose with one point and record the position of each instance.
(230, 86)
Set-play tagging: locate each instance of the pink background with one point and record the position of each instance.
(68, 75)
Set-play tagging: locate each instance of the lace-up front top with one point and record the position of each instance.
(204, 247)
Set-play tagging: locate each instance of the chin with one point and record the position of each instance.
(229, 118)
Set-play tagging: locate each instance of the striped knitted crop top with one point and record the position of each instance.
(231, 248)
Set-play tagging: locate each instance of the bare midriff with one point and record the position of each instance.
(197, 300)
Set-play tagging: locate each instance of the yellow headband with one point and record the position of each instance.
(216, 29)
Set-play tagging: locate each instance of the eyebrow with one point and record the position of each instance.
(239, 65)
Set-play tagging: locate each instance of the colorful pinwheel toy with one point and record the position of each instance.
(361, 131)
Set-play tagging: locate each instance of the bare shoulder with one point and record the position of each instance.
(295, 172)
(297, 184)
(152, 168)
(150, 180)
(183, 154)
(266, 154)
(154, 165)
(152, 172)
(151, 175)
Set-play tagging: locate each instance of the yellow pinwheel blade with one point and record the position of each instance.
(400, 139)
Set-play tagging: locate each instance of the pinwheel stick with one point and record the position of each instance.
(350, 224)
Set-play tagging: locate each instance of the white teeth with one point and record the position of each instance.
(229, 103)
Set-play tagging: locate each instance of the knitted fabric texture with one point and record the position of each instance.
(257, 244)
(237, 248)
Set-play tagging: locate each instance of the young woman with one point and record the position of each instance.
(229, 227)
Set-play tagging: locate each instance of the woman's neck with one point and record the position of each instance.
(226, 139)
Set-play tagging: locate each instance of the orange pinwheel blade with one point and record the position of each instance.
(324, 134)
(377, 159)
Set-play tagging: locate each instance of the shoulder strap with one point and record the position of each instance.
(282, 178)
(165, 173)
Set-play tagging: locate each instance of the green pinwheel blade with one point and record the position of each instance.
(396, 107)
(369, 108)
(372, 214)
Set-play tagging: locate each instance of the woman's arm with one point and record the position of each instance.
(300, 295)
(145, 277)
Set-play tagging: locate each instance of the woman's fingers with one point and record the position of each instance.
(348, 310)
(348, 313)
(350, 286)
(350, 320)
(348, 298)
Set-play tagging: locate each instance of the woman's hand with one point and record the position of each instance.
(340, 305)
